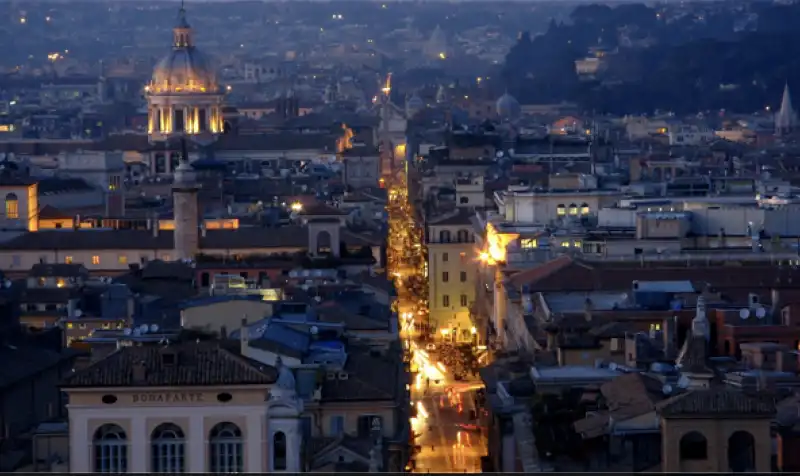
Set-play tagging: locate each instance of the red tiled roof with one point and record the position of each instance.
(535, 275)
(569, 274)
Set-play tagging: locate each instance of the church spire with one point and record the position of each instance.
(786, 119)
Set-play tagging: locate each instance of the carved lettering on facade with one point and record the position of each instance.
(167, 397)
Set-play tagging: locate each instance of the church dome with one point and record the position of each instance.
(185, 69)
(507, 107)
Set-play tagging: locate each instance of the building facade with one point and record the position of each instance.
(183, 408)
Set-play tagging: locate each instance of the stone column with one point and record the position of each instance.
(254, 444)
(196, 445)
(81, 447)
(294, 443)
(139, 441)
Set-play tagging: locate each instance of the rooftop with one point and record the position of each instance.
(192, 364)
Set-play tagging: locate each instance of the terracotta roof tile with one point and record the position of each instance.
(194, 364)
(534, 275)
(570, 274)
(289, 236)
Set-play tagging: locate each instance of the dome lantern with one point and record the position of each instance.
(182, 33)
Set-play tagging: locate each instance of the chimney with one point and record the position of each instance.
(244, 335)
(775, 297)
(752, 300)
(139, 373)
(223, 332)
(588, 308)
(203, 229)
(72, 306)
(76, 224)
(670, 328)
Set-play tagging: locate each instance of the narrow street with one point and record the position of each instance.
(445, 427)
(449, 440)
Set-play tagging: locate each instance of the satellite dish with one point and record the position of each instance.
(127, 331)
(744, 313)
(153, 327)
(666, 389)
(612, 366)
(499, 154)
(78, 313)
(761, 312)
(7, 283)
(511, 151)
(314, 330)
(144, 328)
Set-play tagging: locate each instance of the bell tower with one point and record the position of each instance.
(184, 196)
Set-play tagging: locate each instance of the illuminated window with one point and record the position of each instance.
(95, 259)
(12, 206)
(655, 327)
(584, 209)
(60, 282)
(122, 259)
(70, 325)
(573, 209)
(528, 243)
(565, 244)
(68, 259)
(165, 257)
(561, 210)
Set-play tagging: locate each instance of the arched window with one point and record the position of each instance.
(741, 452)
(110, 445)
(168, 449)
(694, 446)
(444, 236)
(279, 451)
(561, 210)
(463, 236)
(12, 206)
(585, 208)
(573, 209)
(226, 449)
